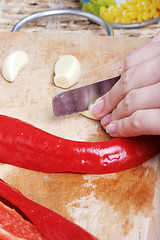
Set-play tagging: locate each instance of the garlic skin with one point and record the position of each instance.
(13, 64)
(67, 71)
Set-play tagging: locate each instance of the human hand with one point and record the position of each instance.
(132, 106)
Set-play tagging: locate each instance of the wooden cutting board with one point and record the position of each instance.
(123, 205)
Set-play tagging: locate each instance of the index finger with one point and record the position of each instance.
(140, 76)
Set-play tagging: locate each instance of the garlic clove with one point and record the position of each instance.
(89, 113)
(13, 64)
(67, 71)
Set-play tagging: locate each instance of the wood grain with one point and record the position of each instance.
(124, 205)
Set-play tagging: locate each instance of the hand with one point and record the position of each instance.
(132, 106)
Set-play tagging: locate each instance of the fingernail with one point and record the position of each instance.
(120, 69)
(111, 128)
(105, 120)
(98, 107)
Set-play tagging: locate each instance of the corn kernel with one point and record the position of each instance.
(139, 7)
(134, 21)
(153, 13)
(153, 6)
(146, 8)
(133, 15)
(145, 3)
(131, 1)
(118, 11)
(118, 20)
(110, 9)
(156, 1)
(145, 16)
(105, 15)
(140, 17)
(156, 14)
(132, 7)
(123, 5)
(102, 10)
(125, 20)
(125, 13)
(108, 17)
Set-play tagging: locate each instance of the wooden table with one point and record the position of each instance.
(11, 11)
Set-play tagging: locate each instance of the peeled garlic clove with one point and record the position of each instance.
(67, 71)
(89, 113)
(13, 64)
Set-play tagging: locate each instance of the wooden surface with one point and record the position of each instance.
(11, 11)
(123, 206)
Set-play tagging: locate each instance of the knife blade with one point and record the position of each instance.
(78, 99)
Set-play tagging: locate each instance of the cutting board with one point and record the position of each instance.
(123, 205)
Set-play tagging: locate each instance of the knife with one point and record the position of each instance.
(78, 99)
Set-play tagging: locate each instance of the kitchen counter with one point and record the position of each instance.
(11, 11)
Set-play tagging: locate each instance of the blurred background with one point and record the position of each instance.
(11, 11)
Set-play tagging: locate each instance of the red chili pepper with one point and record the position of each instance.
(49, 223)
(26, 146)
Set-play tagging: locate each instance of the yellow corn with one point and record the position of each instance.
(103, 10)
(118, 20)
(140, 17)
(133, 15)
(125, 20)
(153, 13)
(153, 6)
(146, 8)
(131, 2)
(139, 7)
(132, 7)
(118, 12)
(145, 16)
(131, 11)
